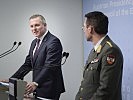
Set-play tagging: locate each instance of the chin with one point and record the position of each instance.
(36, 36)
(88, 39)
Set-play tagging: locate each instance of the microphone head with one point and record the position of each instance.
(19, 43)
(67, 54)
(64, 54)
(15, 43)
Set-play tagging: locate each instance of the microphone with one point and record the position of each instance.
(65, 54)
(11, 50)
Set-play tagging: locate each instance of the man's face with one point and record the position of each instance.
(88, 31)
(37, 27)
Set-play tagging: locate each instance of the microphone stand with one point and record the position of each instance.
(11, 50)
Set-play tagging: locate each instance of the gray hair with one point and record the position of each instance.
(40, 16)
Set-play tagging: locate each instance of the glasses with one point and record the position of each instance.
(83, 27)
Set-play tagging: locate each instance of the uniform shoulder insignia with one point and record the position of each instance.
(109, 43)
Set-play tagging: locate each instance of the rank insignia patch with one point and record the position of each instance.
(110, 59)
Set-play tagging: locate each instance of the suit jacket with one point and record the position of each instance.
(46, 67)
(102, 75)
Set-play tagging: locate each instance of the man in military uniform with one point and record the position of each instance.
(102, 76)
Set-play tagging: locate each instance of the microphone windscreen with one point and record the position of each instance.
(15, 43)
(64, 54)
(19, 43)
(67, 54)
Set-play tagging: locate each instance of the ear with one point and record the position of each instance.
(90, 29)
(45, 24)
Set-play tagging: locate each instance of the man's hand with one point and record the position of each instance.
(5, 80)
(30, 87)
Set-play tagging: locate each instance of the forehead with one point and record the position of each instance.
(85, 21)
(35, 20)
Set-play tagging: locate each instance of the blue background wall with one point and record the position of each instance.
(120, 13)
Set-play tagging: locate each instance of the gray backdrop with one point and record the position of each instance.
(64, 18)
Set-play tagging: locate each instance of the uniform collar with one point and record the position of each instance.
(97, 47)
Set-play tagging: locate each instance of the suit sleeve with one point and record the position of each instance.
(52, 62)
(110, 74)
(24, 69)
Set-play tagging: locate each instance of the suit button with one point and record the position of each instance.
(81, 89)
(91, 68)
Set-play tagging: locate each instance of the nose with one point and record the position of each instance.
(82, 28)
(33, 28)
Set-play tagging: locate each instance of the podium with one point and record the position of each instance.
(14, 90)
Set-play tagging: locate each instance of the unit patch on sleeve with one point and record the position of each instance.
(110, 59)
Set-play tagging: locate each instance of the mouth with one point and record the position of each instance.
(35, 32)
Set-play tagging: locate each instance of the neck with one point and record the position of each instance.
(96, 38)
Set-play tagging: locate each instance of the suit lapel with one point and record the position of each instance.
(91, 56)
(41, 46)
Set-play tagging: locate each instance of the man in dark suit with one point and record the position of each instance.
(102, 77)
(44, 59)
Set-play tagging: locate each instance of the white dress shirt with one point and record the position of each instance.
(99, 42)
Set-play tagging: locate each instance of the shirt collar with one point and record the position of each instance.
(98, 43)
(41, 38)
